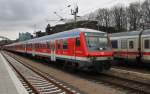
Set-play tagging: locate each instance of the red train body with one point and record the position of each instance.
(80, 48)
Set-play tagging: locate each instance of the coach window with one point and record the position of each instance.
(124, 44)
(48, 44)
(131, 44)
(29, 45)
(37, 45)
(58, 44)
(114, 43)
(41, 46)
(146, 44)
(65, 44)
(78, 42)
(44, 45)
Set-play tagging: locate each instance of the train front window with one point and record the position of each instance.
(96, 43)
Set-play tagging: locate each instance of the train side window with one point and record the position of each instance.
(124, 44)
(114, 43)
(43, 45)
(146, 44)
(40, 45)
(58, 44)
(37, 45)
(48, 44)
(131, 44)
(78, 42)
(65, 44)
(30, 45)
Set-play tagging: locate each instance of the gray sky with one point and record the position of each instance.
(27, 15)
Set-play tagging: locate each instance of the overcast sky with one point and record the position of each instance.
(29, 15)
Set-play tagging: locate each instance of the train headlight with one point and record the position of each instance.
(100, 48)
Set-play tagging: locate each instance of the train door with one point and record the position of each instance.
(25, 47)
(53, 51)
(123, 48)
(132, 49)
(145, 49)
(33, 49)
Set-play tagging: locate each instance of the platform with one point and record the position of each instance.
(9, 83)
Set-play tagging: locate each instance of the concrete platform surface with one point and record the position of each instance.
(9, 83)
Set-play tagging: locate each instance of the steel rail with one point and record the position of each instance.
(45, 76)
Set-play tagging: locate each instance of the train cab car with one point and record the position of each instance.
(81, 48)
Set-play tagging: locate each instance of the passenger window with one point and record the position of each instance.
(146, 44)
(77, 42)
(114, 43)
(30, 45)
(65, 44)
(40, 46)
(123, 44)
(131, 44)
(48, 44)
(58, 44)
(36, 45)
(45, 45)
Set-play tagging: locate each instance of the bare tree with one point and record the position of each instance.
(120, 18)
(146, 13)
(103, 18)
(134, 16)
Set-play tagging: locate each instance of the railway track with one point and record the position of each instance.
(133, 86)
(36, 81)
(135, 69)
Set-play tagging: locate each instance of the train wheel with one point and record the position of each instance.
(107, 65)
(65, 65)
(98, 67)
(75, 67)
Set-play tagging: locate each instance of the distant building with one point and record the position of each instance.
(25, 36)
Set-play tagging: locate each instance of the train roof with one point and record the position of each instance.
(131, 33)
(64, 34)
(69, 33)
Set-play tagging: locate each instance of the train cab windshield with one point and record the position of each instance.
(97, 42)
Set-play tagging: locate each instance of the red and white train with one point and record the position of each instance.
(132, 46)
(81, 48)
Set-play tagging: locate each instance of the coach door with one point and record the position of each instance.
(123, 48)
(33, 49)
(132, 49)
(53, 51)
(145, 49)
